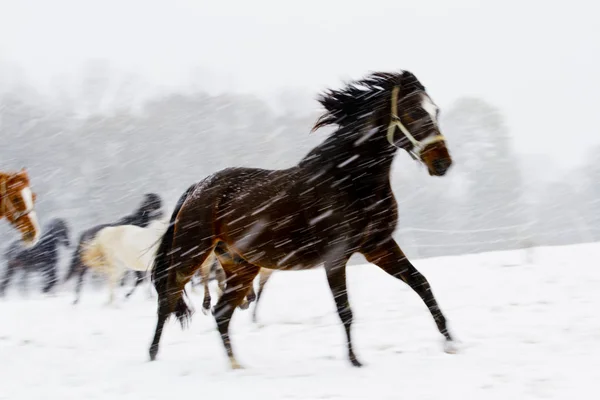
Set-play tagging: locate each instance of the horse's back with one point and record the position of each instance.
(13, 250)
(274, 217)
(230, 185)
(132, 245)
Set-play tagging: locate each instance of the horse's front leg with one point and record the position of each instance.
(113, 283)
(263, 278)
(11, 268)
(388, 256)
(139, 278)
(24, 282)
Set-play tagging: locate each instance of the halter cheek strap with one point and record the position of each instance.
(395, 122)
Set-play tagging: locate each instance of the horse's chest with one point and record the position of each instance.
(382, 215)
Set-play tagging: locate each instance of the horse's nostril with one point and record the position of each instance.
(441, 166)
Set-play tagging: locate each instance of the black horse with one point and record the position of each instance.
(149, 210)
(42, 258)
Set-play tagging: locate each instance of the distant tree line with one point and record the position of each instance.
(93, 168)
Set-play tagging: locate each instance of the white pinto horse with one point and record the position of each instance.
(117, 249)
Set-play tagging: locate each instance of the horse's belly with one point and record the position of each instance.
(268, 249)
(284, 258)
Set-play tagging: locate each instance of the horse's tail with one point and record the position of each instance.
(75, 262)
(161, 265)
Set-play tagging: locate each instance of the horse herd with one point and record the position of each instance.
(241, 223)
(112, 250)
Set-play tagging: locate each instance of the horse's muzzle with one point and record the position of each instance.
(441, 166)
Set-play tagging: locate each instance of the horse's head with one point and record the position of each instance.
(412, 124)
(17, 204)
(392, 106)
(60, 230)
(152, 206)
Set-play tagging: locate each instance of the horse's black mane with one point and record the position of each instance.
(346, 106)
(57, 224)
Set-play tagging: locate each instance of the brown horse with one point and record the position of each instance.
(17, 205)
(335, 202)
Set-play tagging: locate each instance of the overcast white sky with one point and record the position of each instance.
(539, 61)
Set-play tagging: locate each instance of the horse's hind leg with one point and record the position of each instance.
(170, 300)
(204, 275)
(124, 280)
(82, 269)
(392, 260)
(77, 268)
(249, 298)
(226, 257)
(139, 278)
(194, 283)
(239, 279)
(51, 278)
(113, 280)
(221, 279)
(263, 278)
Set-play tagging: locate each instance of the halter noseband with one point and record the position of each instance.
(7, 205)
(395, 122)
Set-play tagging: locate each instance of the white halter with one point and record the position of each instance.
(395, 122)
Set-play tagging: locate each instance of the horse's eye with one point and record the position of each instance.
(416, 114)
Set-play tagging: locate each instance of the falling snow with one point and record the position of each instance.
(168, 109)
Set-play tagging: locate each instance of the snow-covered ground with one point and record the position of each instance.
(527, 331)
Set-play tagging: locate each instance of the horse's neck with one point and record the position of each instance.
(348, 152)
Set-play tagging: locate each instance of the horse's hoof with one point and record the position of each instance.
(153, 353)
(356, 363)
(205, 311)
(450, 347)
(244, 306)
(235, 364)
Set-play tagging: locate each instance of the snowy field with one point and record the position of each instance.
(528, 331)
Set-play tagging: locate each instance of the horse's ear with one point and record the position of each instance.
(23, 172)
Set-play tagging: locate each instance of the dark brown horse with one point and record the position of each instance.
(335, 202)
